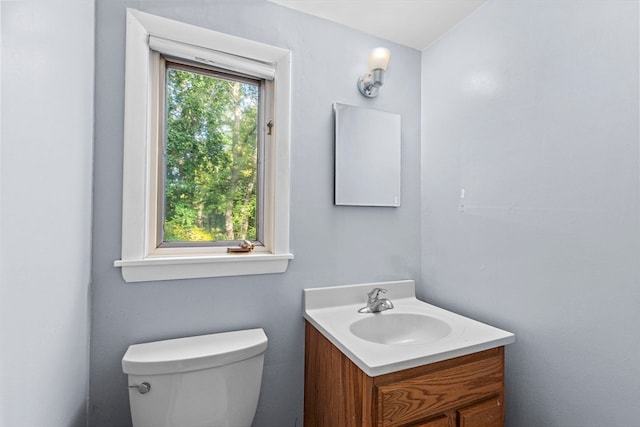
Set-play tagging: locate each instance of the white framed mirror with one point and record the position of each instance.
(367, 156)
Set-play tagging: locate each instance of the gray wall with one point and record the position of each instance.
(531, 107)
(45, 211)
(332, 245)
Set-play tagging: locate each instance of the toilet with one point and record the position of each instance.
(202, 381)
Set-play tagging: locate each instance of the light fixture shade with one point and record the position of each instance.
(379, 59)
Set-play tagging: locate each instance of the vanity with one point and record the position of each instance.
(415, 365)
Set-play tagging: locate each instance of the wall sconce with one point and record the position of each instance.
(378, 62)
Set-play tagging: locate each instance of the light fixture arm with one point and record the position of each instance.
(371, 82)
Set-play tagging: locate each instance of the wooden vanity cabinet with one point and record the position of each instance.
(466, 391)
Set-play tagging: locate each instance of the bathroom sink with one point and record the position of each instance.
(400, 328)
(413, 333)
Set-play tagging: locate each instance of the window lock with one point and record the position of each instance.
(245, 246)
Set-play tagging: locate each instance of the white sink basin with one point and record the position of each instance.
(411, 334)
(400, 328)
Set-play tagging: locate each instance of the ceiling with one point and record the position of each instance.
(413, 23)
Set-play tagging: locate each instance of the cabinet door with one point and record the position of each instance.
(443, 421)
(489, 413)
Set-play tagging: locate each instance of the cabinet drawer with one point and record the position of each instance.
(434, 393)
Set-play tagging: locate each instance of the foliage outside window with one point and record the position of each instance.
(210, 156)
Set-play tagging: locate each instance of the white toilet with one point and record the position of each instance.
(202, 381)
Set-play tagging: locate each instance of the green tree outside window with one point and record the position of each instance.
(210, 179)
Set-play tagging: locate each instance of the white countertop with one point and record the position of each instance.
(332, 310)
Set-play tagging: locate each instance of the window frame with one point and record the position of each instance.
(140, 259)
(157, 244)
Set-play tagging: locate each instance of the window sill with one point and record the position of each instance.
(193, 267)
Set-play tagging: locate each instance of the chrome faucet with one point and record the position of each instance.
(374, 304)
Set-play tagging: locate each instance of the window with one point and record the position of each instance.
(206, 153)
(209, 170)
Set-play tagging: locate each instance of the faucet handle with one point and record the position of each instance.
(373, 295)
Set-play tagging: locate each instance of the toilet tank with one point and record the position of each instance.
(202, 381)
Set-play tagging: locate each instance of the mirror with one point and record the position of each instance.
(367, 156)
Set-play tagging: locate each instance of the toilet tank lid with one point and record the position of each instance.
(193, 353)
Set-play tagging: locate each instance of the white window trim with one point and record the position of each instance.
(141, 262)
